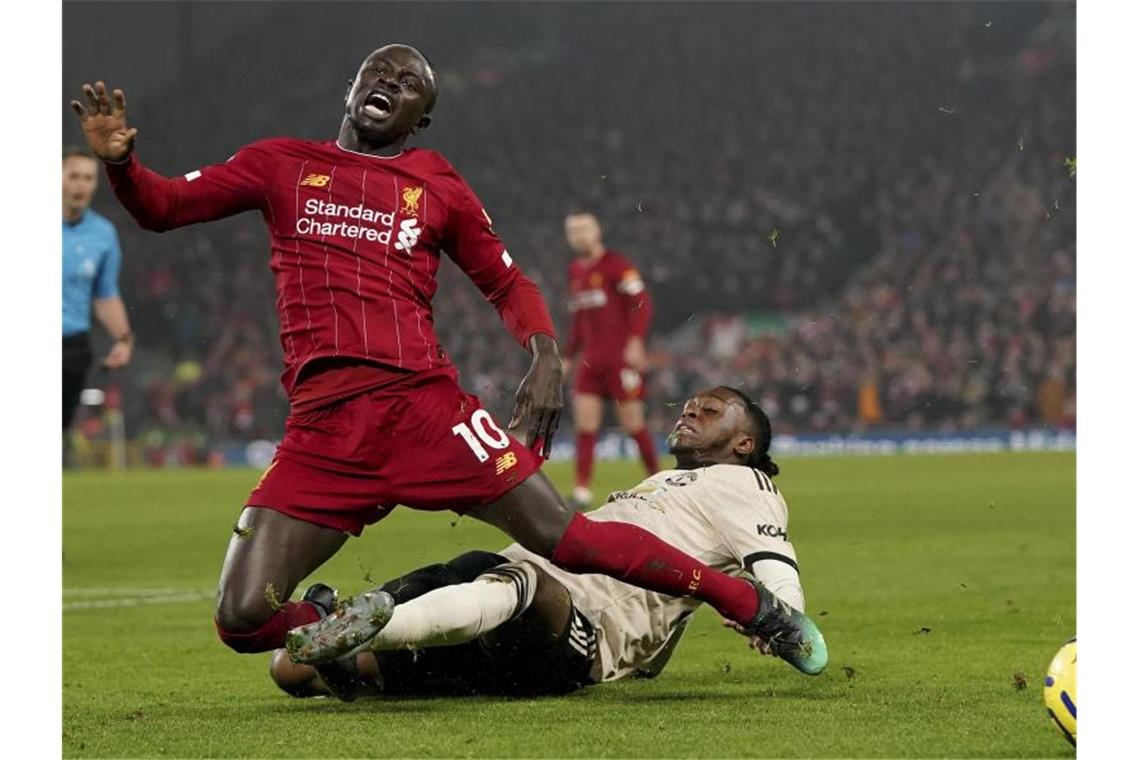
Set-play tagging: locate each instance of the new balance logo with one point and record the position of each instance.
(409, 234)
(505, 462)
(315, 180)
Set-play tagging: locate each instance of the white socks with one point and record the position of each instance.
(455, 614)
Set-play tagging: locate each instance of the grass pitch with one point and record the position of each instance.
(944, 584)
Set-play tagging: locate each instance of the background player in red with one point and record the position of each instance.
(610, 312)
(357, 227)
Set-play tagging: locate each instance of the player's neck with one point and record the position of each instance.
(697, 460)
(596, 254)
(350, 139)
(72, 215)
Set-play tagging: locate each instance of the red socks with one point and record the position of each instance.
(271, 635)
(636, 556)
(647, 448)
(585, 462)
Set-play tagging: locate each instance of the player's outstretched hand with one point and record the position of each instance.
(538, 401)
(104, 121)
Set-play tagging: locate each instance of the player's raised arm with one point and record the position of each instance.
(156, 202)
(104, 121)
(479, 252)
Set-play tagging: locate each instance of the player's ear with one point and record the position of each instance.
(422, 124)
(745, 444)
(348, 92)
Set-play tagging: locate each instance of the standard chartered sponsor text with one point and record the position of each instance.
(314, 207)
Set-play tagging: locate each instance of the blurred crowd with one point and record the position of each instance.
(862, 213)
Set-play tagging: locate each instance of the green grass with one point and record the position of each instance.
(941, 578)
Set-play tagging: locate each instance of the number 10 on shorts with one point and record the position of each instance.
(482, 430)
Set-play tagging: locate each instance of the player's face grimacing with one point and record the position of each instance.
(391, 96)
(713, 429)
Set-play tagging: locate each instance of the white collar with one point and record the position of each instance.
(367, 155)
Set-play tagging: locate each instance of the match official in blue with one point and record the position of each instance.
(91, 259)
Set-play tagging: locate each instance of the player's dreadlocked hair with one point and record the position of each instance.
(762, 431)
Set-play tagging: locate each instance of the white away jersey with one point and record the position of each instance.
(730, 517)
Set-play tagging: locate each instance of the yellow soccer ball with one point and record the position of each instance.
(1061, 690)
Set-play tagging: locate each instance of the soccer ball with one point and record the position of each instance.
(1061, 690)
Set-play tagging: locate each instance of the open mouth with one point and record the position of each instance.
(683, 428)
(377, 105)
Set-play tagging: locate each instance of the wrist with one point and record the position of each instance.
(118, 162)
(128, 337)
(543, 346)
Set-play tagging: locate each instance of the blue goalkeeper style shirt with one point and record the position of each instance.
(91, 259)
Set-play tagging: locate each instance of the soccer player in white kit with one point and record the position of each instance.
(518, 615)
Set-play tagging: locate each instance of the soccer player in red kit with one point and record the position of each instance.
(610, 311)
(357, 227)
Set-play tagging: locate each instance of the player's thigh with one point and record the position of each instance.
(76, 360)
(588, 408)
(545, 618)
(268, 555)
(531, 513)
(446, 451)
(549, 649)
(74, 378)
(631, 415)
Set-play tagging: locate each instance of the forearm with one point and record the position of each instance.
(639, 313)
(525, 315)
(151, 198)
(574, 343)
(112, 314)
(161, 203)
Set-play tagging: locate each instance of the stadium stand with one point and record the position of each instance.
(888, 243)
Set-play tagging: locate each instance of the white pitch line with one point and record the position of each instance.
(122, 591)
(139, 601)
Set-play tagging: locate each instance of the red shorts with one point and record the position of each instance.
(420, 441)
(613, 381)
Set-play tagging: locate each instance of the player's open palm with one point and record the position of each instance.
(104, 120)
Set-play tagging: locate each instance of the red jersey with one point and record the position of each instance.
(355, 245)
(608, 306)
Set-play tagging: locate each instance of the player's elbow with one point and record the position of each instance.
(151, 217)
(502, 293)
(153, 224)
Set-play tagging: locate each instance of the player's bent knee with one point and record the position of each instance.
(551, 599)
(544, 617)
(240, 613)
